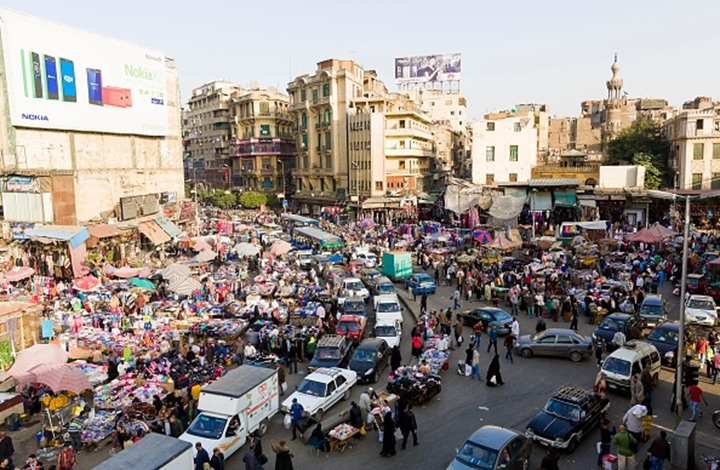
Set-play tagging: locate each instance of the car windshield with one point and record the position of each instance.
(346, 326)
(663, 336)
(652, 310)
(362, 355)
(354, 306)
(476, 456)
(617, 366)
(353, 285)
(388, 307)
(502, 317)
(327, 353)
(563, 409)
(701, 304)
(386, 289)
(210, 427)
(311, 387)
(609, 324)
(693, 281)
(385, 331)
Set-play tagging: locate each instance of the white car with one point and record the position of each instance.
(368, 259)
(701, 310)
(390, 332)
(355, 287)
(387, 309)
(321, 389)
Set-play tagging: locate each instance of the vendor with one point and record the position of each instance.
(75, 430)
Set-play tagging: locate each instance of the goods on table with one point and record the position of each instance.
(100, 426)
(342, 431)
(435, 359)
(420, 388)
(120, 393)
(95, 373)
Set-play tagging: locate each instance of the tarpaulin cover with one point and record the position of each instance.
(506, 207)
(104, 231)
(168, 226)
(541, 201)
(565, 198)
(75, 234)
(154, 232)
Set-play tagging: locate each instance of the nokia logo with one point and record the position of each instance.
(35, 117)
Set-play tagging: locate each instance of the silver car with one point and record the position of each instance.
(560, 342)
(491, 448)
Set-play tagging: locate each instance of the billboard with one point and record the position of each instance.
(428, 68)
(63, 78)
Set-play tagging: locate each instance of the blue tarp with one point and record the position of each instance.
(76, 235)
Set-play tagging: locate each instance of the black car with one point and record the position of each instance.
(615, 322)
(489, 316)
(370, 358)
(331, 351)
(569, 415)
(665, 339)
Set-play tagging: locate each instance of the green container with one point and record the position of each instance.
(397, 265)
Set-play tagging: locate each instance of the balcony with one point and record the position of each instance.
(263, 146)
(408, 132)
(411, 152)
(320, 100)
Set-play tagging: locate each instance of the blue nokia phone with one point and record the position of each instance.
(67, 75)
(94, 77)
(51, 77)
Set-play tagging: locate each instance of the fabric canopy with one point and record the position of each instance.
(280, 247)
(154, 232)
(169, 227)
(645, 236)
(661, 231)
(74, 234)
(36, 355)
(175, 271)
(540, 201)
(59, 377)
(104, 231)
(506, 207)
(565, 197)
(501, 243)
(184, 286)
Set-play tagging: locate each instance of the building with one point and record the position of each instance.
(505, 146)
(263, 147)
(78, 143)
(571, 164)
(207, 134)
(319, 105)
(448, 108)
(694, 136)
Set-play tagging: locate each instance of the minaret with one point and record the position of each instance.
(613, 104)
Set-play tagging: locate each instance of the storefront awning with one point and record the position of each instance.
(587, 200)
(74, 234)
(154, 233)
(540, 201)
(104, 231)
(168, 226)
(373, 203)
(565, 198)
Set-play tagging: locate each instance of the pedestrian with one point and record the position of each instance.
(282, 375)
(408, 425)
(625, 443)
(250, 460)
(423, 303)
(633, 421)
(696, 395)
(575, 314)
(509, 344)
(599, 347)
(515, 328)
(600, 387)
(493, 372)
(476, 364)
(492, 339)
(201, 456)
(217, 461)
(458, 330)
(607, 431)
(33, 463)
(6, 448)
(648, 386)
(66, 458)
(395, 358)
(355, 416)
(477, 332)
(296, 412)
(456, 299)
(716, 363)
(550, 461)
(283, 456)
(388, 442)
(540, 325)
(637, 391)
(257, 448)
(417, 344)
(659, 451)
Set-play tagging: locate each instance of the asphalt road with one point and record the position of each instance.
(465, 405)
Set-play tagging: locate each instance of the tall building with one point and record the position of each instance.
(207, 134)
(319, 105)
(89, 135)
(263, 145)
(613, 105)
(449, 108)
(505, 146)
(694, 136)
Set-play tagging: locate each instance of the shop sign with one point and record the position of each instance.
(20, 184)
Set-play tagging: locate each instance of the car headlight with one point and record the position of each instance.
(369, 372)
(670, 354)
(529, 431)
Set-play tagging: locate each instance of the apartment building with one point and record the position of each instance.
(449, 108)
(262, 150)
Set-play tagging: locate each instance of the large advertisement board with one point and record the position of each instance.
(63, 78)
(428, 68)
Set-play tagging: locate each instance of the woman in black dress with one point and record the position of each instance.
(388, 445)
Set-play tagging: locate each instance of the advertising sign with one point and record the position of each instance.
(59, 77)
(428, 68)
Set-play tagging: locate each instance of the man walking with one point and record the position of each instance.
(476, 364)
(625, 442)
(659, 451)
(575, 315)
(408, 425)
(456, 299)
(509, 343)
(492, 337)
(423, 303)
(296, 412)
(696, 395)
(201, 457)
(477, 333)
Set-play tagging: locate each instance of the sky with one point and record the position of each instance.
(555, 52)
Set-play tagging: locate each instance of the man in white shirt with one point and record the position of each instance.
(320, 312)
(515, 328)
(619, 339)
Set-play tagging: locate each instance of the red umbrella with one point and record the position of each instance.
(645, 236)
(86, 284)
(18, 273)
(59, 377)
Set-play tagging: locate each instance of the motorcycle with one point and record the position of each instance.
(713, 463)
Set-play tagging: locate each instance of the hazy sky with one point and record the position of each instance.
(555, 52)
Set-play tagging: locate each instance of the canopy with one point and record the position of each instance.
(366, 223)
(661, 231)
(18, 273)
(126, 272)
(74, 234)
(168, 227)
(501, 243)
(565, 197)
(175, 271)
(645, 236)
(482, 236)
(59, 377)
(154, 232)
(280, 248)
(142, 283)
(104, 231)
(247, 249)
(202, 245)
(36, 355)
(205, 256)
(184, 286)
(86, 284)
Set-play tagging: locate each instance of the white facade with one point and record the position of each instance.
(622, 176)
(366, 139)
(504, 148)
(442, 107)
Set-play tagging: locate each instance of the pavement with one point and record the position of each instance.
(465, 405)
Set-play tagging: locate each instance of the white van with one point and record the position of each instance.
(387, 309)
(623, 363)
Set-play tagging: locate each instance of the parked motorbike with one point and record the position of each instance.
(712, 462)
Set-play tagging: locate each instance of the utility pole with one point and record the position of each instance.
(680, 359)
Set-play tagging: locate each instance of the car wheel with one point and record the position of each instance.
(527, 353)
(374, 379)
(575, 356)
(526, 464)
(346, 395)
(655, 380)
(319, 414)
(262, 428)
(572, 445)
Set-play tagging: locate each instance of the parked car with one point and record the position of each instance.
(384, 286)
(354, 306)
(369, 359)
(701, 310)
(615, 322)
(485, 447)
(665, 339)
(696, 284)
(653, 310)
(356, 287)
(331, 351)
(569, 415)
(623, 363)
(368, 276)
(390, 332)
(559, 342)
(489, 316)
(369, 260)
(321, 389)
(351, 327)
(420, 283)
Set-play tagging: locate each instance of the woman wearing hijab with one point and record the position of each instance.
(395, 358)
(388, 445)
(494, 371)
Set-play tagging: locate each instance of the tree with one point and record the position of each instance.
(644, 141)
(653, 175)
(252, 200)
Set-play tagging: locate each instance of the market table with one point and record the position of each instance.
(340, 436)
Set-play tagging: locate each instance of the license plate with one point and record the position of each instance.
(612, 385)
(543, 443)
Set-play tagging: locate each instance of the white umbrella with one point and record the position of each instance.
(280, 247)
(175, 271)
(184, 286)
(247, 249)
(205, 256)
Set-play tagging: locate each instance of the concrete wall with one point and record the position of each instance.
(627, 176)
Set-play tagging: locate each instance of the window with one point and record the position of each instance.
(401, 164)
(513, 153)
(340, 380)
(699, 124)
(452, 113)
(322, 184)
(490, 126)
(303, 121)
(299, 184)
(697, 180)
(564, 339)
(264, 129)
(402, 124)
(303, 95)
(328, 161)
(328, 140)
(334, 186)
(326, 90)
(512, 177)
(378, 185)
(304, 142)
(516, 127)
(698, 151)
(490, 153)
(326, 116)
(715, 183)
(716, 150)
(314, 94)
(489, 178)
